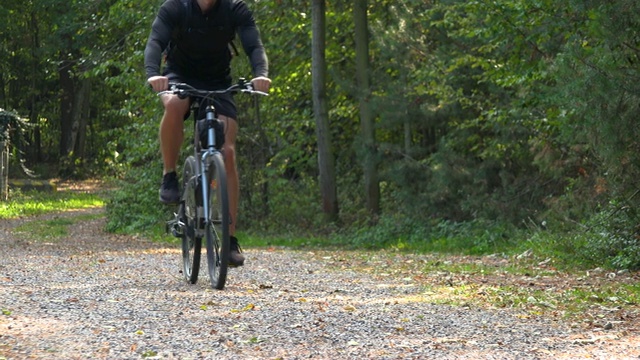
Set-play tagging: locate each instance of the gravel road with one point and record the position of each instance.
(92, 295)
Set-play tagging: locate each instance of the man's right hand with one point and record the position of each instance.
(158, 83)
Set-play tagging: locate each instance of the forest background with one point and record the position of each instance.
(474, 126)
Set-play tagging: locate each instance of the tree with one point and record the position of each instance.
(367, 121)
(326, 161)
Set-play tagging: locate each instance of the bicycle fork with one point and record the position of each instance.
(205, 162)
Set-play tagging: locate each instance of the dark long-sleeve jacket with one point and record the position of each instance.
(196, 45)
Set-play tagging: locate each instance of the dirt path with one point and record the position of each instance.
(98, 295)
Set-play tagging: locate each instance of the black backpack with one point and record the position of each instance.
(226, 8)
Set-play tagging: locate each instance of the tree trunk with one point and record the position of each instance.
(36, 143)
(369, 160)
(80, 119)
(3, 93)
(4, 171)
(66, 107)
(407, 136)
(326, 161)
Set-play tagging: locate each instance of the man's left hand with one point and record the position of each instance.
(261, 84)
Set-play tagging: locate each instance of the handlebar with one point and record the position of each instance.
(185, 90)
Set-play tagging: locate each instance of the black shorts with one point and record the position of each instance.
(224, 103)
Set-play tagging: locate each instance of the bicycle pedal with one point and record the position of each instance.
(175, 226)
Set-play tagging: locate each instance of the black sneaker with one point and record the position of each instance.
(169, 190)
(235, 256)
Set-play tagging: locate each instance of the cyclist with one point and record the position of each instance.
(196, 39)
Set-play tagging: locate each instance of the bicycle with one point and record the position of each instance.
(197, 219)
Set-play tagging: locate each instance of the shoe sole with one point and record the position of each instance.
(165, 202)
(236, 264)
(174, 201)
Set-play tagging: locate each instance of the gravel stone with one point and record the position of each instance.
(104, 296)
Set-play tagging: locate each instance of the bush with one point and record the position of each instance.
(134, 207)
(613, 238)
(402, 232)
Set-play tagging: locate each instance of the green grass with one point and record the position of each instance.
(51, 230)
(38, 203)
(569, 303)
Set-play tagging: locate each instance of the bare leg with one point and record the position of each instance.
(172, 130)
(233, 183)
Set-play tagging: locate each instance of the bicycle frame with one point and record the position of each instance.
(202, 166)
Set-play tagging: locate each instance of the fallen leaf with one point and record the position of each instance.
(246, 308)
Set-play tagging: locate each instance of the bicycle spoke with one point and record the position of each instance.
(191, 244)
(218, 226)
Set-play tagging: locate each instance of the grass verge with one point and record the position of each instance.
(37, 203)
(51, 230)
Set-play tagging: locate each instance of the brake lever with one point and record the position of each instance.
(248, 88)
(172, 90)
(181, 93)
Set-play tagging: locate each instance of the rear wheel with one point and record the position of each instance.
(191, 242)
(217, 226)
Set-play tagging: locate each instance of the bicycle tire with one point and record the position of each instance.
(191, 243)
(217, 226)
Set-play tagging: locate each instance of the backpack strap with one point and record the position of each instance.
(185, 7)
(226, 9)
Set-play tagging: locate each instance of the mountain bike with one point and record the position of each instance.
(203, 211)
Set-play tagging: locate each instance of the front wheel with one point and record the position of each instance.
(191, 240)
(217, 226)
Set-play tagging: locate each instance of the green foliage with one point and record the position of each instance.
(11, 123)
(491, 116)
(598, 75)
(46, 38)
(292, 207)
(613, 238)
